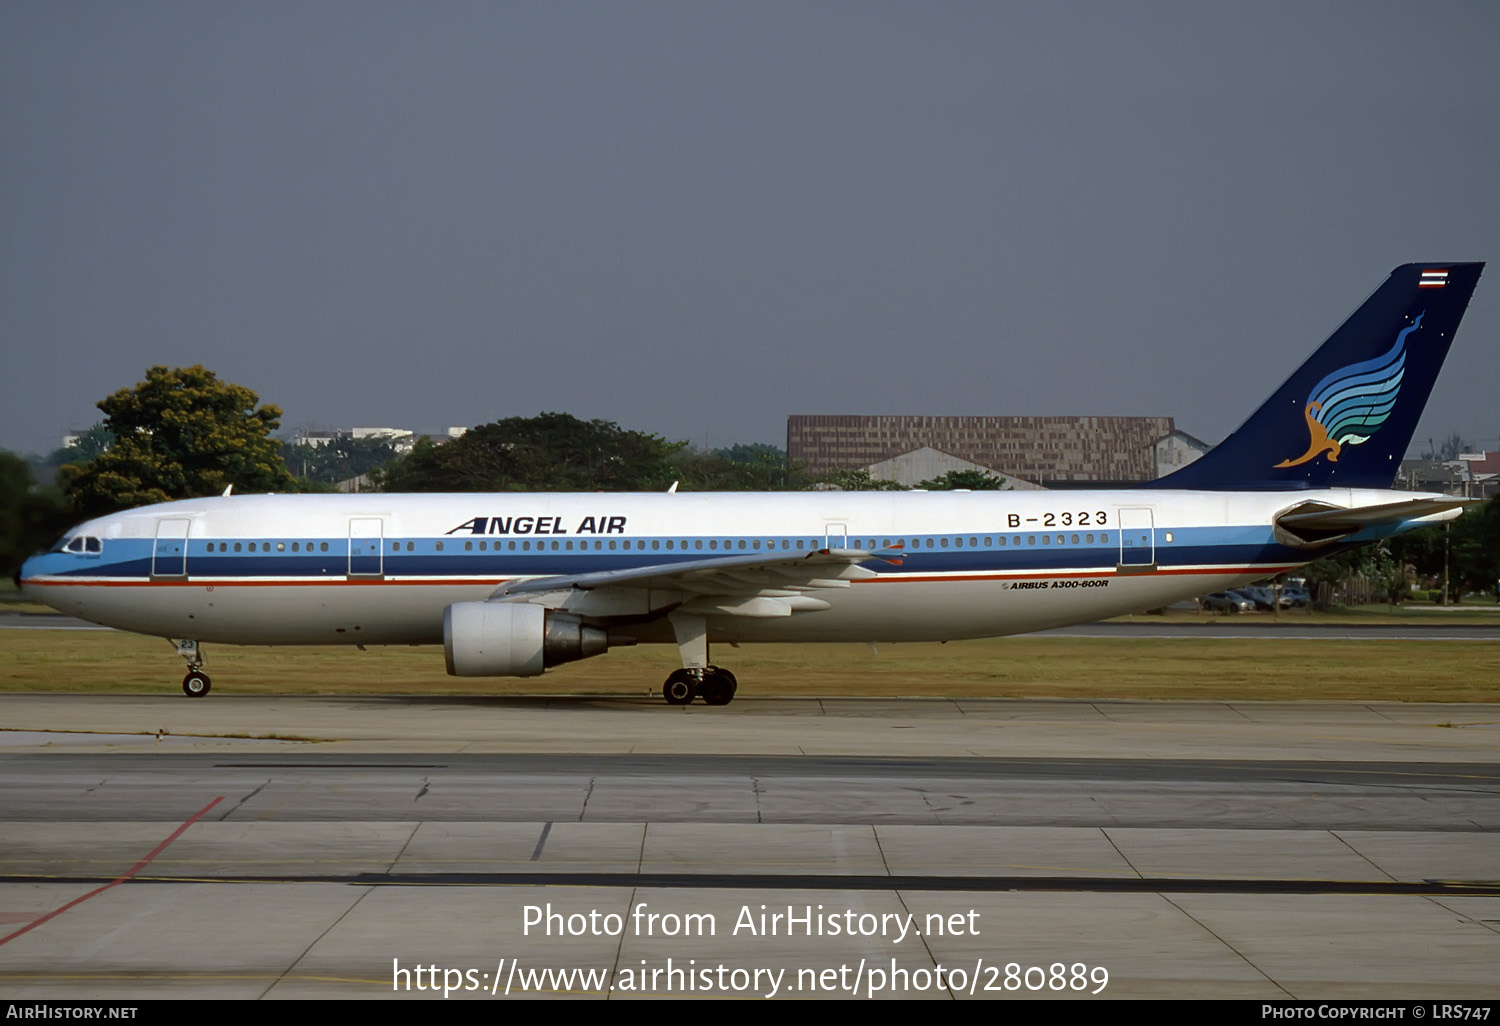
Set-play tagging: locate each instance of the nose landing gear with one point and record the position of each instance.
(196, 683)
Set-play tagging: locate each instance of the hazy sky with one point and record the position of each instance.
(696, 218)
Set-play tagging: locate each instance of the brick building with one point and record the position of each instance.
(1038, 449)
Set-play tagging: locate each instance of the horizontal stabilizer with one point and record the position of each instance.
(1313, 523)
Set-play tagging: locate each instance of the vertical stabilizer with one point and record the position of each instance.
(1345, 418)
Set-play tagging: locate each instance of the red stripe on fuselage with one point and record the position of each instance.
(886, 578)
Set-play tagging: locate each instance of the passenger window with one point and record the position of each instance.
(799, 543)
(439, 546)
(655, 544)
(485, 546)
(323, 546)
(943, 542)
(411, 546)
(973, 542)
(1104, 539)
(1075, 539)
(1046, 539)
(236, 546)
(526, 546)
(468, 546)
(698, 543)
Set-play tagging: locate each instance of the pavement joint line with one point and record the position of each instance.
(1238, 953)
(1369, 861)
(313, 943)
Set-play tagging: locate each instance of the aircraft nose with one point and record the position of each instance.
(26, 571)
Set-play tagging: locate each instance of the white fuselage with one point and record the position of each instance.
(381, 569)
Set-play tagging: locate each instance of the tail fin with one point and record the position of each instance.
(1345, 418)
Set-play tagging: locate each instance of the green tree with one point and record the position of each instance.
(764, 466)
(552, 452)
(180, 433)
(1470, 546)
(87, 446)
(845, 479)
(738, 468)
(337, 460)
(30, 515)
(1448, 449)
(973, 480)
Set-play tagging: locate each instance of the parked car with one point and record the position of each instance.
(1227, 602)
(1261, 595)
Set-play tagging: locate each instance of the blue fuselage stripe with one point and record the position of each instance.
(436, 558)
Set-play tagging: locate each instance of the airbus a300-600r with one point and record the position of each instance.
(511, 584)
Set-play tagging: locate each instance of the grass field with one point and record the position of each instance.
(1137, 668)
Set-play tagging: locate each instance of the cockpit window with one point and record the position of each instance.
(81, 543)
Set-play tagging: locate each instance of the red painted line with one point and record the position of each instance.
(119, 880)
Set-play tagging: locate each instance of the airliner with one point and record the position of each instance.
(512, 584)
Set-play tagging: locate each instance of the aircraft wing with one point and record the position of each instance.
(755, 584)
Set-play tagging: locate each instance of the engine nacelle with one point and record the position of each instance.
(513, 639)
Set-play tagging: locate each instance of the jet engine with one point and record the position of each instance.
(513, 639)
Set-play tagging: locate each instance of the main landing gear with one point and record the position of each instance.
(715, 685)
(196, 683)
(696, 679)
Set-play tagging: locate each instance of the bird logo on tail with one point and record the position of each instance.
(1348, 406)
